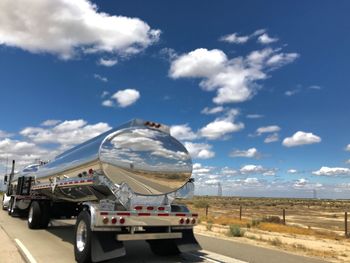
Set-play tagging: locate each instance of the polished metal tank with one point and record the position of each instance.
(142, 155)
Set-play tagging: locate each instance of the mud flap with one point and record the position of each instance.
(104, 246)
(188, 242)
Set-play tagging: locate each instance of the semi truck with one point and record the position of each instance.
(125, 184)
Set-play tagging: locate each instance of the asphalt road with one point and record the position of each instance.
(55, 245)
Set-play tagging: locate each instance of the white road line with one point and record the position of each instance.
(25, 252)
(216, 258)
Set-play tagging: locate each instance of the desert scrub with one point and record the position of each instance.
(276, 242)
(209, 226)
(255, 222)
(272, 219)
(235, 231)
(201, 203)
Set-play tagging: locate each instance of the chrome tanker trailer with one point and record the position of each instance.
(121, 185)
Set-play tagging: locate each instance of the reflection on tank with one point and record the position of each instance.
(150, 161)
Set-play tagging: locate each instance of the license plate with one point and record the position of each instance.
(107, 205)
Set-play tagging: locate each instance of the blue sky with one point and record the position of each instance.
(274, 73)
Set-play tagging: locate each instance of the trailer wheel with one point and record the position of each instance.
(35, 215)
(10, 207)
(164, 247)
(45, 214)
(82, 244)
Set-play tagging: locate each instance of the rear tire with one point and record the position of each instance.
(164, 247)
(82, 244)
(10, 209)
(3, 203)
(35, 215)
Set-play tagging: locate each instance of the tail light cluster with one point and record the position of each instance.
(86, 173)
(149, 208)
(187, 221)
(114, 220)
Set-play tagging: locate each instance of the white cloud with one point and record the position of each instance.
(272, 138)
(22, 152)
(250, 153)
(4, 134)
(50, 122)
(182, 132)
(99, 77)
(67, 133)
(347, 161)
(251, 181)
(127, 97)
(222, 126)
(291, 92)
(332, 171)
(257, 169)
(234, 38)
(300, 183)
(235, 80)
(301, 138)
(107, 62)
(66, 27)
(254, 116)
(212, 182)
(268, 129)
(292, 171)
(199, 150)
(347, 148)
(265, 39)
(108, 103)
(104, 94)
(315, 87)
(213, 110)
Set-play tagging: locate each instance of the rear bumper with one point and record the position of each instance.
(149, 236)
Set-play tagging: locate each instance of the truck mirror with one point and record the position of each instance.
(5, 179)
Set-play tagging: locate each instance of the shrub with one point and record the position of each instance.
(255, 222)
(201, 204)
(272, 219)
(276, 242)
(235, 231)
(209, 226)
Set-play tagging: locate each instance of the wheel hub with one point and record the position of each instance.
(81, 236)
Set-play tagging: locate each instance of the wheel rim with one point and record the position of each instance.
(81, 236)
(30, 216)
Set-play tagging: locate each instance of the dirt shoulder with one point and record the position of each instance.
(8, 250)
(326, 249)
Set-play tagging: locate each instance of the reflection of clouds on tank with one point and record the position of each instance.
(144, 149)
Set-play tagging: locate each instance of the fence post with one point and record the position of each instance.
(346, 224)
(240, 212)
(284, 216)
(206, 210)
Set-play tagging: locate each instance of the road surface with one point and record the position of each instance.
(55, 245)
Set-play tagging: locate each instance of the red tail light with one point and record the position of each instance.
(187, 221)
(105, 220)
(181, 221)
(114, 220)
(121, 220)
(139, 207)
(161, 208)
(150, 207)
(193, 221)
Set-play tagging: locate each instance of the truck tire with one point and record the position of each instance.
(82, 244)
(10, 209)
(164, 247)
(45, 211)
(35, 215)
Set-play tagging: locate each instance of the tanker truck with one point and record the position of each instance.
(122, 185)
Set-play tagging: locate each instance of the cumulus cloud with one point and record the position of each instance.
(332, 171)
(99, 77)
(122, 98)
(65, 27)
(234, 38)
(292, 171)
(199, 150)
(250, 153)
(234, 80)
(4, 134)
(66, 134)
(347, 148)
(257, 169)
(50, 122)
(22, 152)
(268, 129)
(108, 103)
(266, 39)
(291, 92)
(213, 110)
(107, 62)
(301, 138)
(272, 138)
(182, 132)
(222, 126)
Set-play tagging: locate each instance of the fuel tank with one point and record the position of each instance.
(141, 154)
